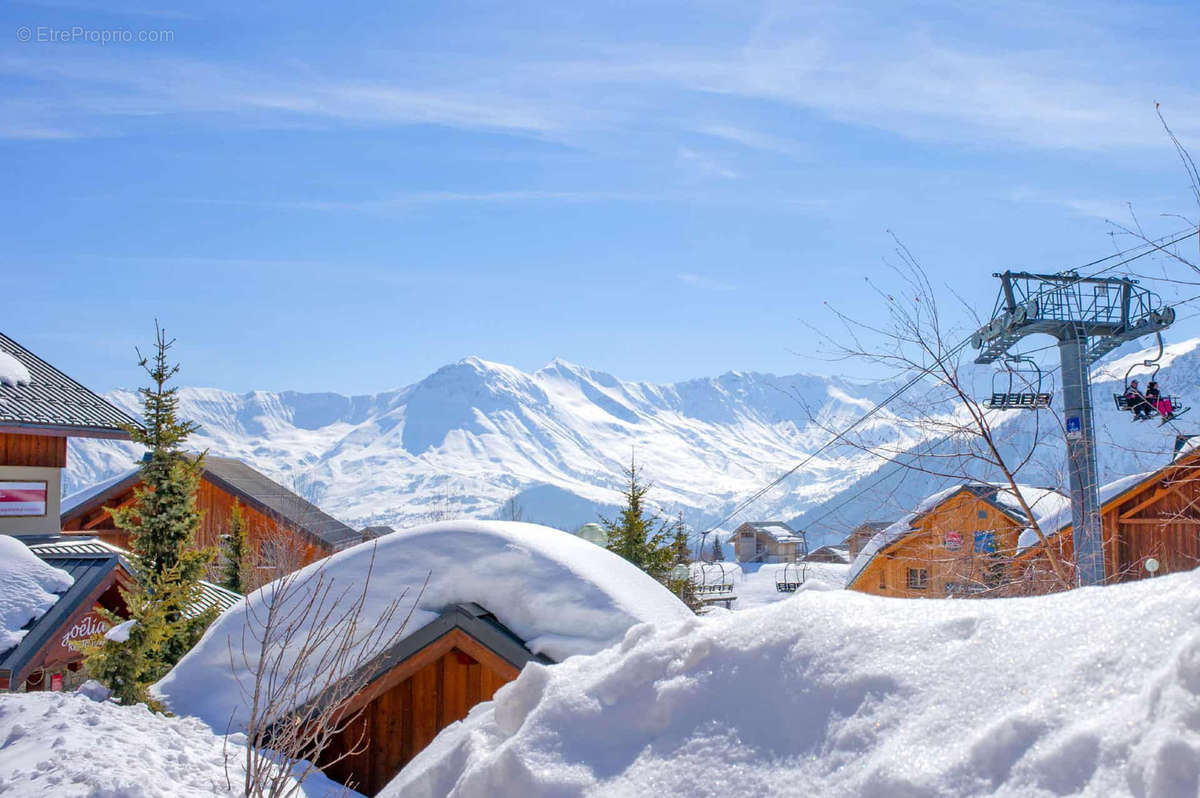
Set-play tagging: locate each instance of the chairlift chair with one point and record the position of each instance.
(712, 579)
(789, 578)
(1124, 403)
(1019, 386)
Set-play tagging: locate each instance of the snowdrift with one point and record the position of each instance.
(835, 693)
(561, 595)
(28, 589)
(65, 744)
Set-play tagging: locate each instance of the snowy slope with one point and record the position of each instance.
(469, 437)
(837, 693)
(474, 434)
(63, 745)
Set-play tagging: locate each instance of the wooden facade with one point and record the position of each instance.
(1156, 518)
(425, 682)
(404, 710)
(768, 541)
(43, 451)
(962, 546)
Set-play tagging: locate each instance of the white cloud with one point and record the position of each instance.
(703, 282)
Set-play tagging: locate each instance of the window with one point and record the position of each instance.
(918, 579)
(982, 514)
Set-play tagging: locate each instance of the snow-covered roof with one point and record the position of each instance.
(81, 497)
(558, 593)
(1039, 500)
(776, 530)
(28, 589)
(1090, 692)
(1060, 518)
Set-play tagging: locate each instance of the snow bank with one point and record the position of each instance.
(558, 593)
(838, 693)
(13, 371)
(27, 589)
(66, 744)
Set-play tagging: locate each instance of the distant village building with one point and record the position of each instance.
(959, 542)
(40, 408)
(1149, 516)
(375, 531)
(284, 531)
(862, 533)
(45, 659)
(768, 541)
(839, 554)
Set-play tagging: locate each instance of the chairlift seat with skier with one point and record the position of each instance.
(1143, 408)
(1019, 386)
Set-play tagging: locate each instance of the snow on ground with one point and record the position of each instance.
(836, 693)
(560, 594)
(27, 589)
(66, 744)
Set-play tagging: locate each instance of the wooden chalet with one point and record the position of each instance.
(861, 534)
(838, 555)
(960, 542)
(284, 531)
(768, 541)
(45, 658)
(419, 687)
(40, 408)
(1155, 515)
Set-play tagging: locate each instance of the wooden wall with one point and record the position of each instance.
(47, 451)
(925, 548)
(403, 711)
(279, 547)
(1159, 518)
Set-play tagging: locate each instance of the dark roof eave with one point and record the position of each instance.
(63, 430)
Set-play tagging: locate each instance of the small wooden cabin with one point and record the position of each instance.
(40, 408)
(424, 683)
(284, 531)
(1149, 516)
(838, 555)
(960, 542)
(45, 658)
(768, 541)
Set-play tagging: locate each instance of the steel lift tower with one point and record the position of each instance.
(1090, 317)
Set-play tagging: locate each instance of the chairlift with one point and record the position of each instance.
(1019, 386)
(712, 579)
(1125, 402)
(789, 578)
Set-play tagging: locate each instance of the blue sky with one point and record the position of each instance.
(345, 197)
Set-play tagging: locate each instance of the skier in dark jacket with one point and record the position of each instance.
(1137, 402)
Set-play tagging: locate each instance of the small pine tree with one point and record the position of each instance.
(643, 539)
(162, 524)
(235, 553)
(718, 553)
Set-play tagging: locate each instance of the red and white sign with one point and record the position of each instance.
(22, 498)
(953, 540)
(56, 682)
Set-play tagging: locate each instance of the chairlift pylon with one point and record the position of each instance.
(1022, 389)
(1132, 400)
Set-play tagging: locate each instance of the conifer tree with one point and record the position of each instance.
(162, 523)
(235, 554)
(641, 537)
(718, 553)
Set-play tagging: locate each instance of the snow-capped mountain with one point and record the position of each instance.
(475, 438)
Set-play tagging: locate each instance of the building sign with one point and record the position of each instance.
(89, 625)
(22, 498)
(56, 682)
(954, 541)
(1074, 427)
(985, 543)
